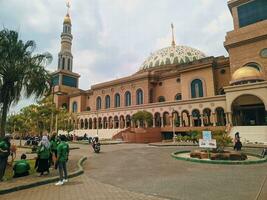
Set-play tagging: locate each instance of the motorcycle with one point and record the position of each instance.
(96, 145)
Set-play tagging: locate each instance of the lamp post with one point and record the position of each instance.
(97, 122)
(173, 126)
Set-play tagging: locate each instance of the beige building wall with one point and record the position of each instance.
(206, 75)
(169, 88)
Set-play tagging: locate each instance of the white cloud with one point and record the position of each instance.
(113, 37)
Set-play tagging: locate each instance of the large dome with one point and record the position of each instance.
(172, 55)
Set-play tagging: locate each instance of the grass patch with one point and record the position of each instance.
(9, 170)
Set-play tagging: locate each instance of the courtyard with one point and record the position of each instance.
(140, 171)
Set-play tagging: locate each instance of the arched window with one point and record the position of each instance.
(178, 97)
(98, 103)
(128, 98)
(117, 101)
(254, 65)
(139, 97)
(63, 63)
(196, 88)
(161, 99)
(107, 100)
(69, 64)
(74, 107)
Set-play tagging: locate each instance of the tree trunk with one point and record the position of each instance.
(4, 116)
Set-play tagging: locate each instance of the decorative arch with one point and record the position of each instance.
(185, 118)
(207, 117)
(107, 102)
(128, 99)
(117, 102)
(221, 117)
(74, 107)
(139, 97)
(196, 117)
(197, 90)
(157, 119)
(98, 103)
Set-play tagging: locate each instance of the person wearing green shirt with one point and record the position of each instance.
(62, 158)
(54, 143)
(4, 153)
(43, 157)
(21, 167)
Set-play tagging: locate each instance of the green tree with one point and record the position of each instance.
(21, 72)
(143, 116)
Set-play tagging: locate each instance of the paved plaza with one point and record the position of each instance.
(137, 171)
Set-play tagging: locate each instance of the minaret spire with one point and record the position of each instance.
(68, 7)
(173, 40)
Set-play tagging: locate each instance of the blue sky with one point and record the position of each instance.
(112, 38)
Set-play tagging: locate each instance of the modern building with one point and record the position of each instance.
(182, 88)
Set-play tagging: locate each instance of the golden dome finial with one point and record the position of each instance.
(67, 19)
(173, 40)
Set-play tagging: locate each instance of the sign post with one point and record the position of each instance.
(207, 142)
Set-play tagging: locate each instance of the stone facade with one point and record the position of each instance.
(180, 92)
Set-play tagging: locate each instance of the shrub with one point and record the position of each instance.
(222, 139)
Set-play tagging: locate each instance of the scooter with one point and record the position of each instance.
(96, 145)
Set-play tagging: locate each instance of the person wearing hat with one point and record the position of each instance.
(4, 153)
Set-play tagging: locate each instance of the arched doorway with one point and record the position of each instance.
(220, 115)
(248, 110)
(157, 119)
(185, 118)
(196, 117)
(206, 117)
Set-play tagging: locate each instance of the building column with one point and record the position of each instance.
(214, 119)
(154, 122)
(114, 123)
(132, 124)
(138, 124)
(161, 122)
(181, 121)
(125, 123)
(171, 121)
(202, 120)
(191, 120)
(97, 123)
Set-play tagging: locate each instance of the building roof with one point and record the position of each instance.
(172, 55)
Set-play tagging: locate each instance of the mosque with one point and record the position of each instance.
(181, 87)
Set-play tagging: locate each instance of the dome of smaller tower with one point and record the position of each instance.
(67, 19)
(245, 74)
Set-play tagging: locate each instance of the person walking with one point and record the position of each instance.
(62, 158)
(4, 153)
(21, 167)
(43, 152)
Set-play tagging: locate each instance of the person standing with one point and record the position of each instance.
(21, 167)
(54, 143)
(4, 153)
(43, 152)
(62, 158)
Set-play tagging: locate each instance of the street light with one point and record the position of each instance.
(173, 128)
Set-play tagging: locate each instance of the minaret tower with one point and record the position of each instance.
(64, 80)
(64, 77)
(65, 58)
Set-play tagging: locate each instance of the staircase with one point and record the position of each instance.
(102, 133)
(251, 134)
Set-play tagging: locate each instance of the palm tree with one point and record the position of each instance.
(21, 72)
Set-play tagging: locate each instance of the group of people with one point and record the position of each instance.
(50, 153)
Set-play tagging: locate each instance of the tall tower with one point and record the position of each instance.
(65, 58)
(64, 80)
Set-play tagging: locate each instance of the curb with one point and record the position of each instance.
(78, 172)
(222, 162)
(111, 143)
(173, 145)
